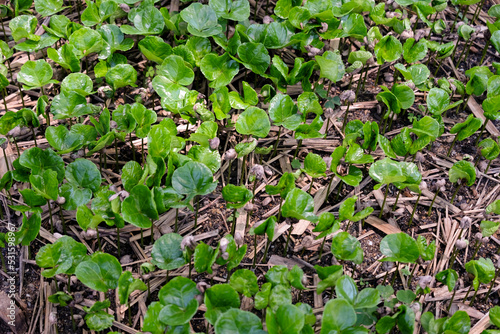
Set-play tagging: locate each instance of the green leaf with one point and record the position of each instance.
(139, 208)
(280, 295)
(62, 256)
(176, 70)
(206, 156)
(299, 205)
(204, 257)
(166, 253)
(253, 121)
(238, 10)
(495, 316)
(245, 282)
(283, 112)
(254, 56)
(147, 20)
(467, 128)
(494, 207)
(99, 321)
(121, 75)
(152, 322)
(39, 160)
(284, 186)
(458, 323)
(314, 165)
(35, 74)
(45, 184)
(448, 277)
(489, 228)
(219, 299)
(346, 247)
(462, 170)
(287, 319)
(328, 275)
(238, 322)
(489, 149)
(267, 226)
(154, 48)
(178, 298)
(427, 252)
(201, 19)
(101, 272)
(388, 49)
(193, 179)
(387, 171)
(220, 70)
(414, 52)
(127, 284)
(28, 230)
(337, 316)
(236, 196)
(24, 26)
(84, 174)
(331, 66)
(346, 288)
(86, 41)
(399, 247)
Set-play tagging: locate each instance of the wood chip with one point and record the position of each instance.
(382, 225)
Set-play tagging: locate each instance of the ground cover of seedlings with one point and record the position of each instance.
(250, 167)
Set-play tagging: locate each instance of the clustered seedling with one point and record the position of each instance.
(212, 107)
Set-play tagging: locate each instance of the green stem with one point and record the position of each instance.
(321, 248)
(378, 74)
(116, 156)
(395, 274)
(131, 145)
(299, 144)
(488, 167)
(233, 226)
(275, 144)
(345, 116)
(482, 130)
(254, 250)
(452, 145)
(152, 232)
(287, 241)
(310, 186)
(397, 198)
(451, 300)
(455, 193)
(99, 239)
(118, 239)
(142, 239)
(265, 251)
(485, 50)
(50, 215)
(242, 177)
(229, 172)
(197, 198)
(473, 298)
(432, 203)
(383, 204)
(6, 160)
(176, 228)
(411, 275)
(467, 294)
(414, 209)
(491, 286)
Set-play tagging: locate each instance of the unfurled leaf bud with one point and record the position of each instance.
(214, 143)
(420, 157)
(267, 19)
(225, 256)
(53, 318)
(104, 92)
(312, 51)
(249, 207)
(386, 266)
(113, 125)
(268, 171)
(465, 222)
(4, 144)
(415, 307)
(230, 154)
(223, 244)
(324, 27)
(238, 239)
(461, 243)
(60, 200)
(124, 194)
(124, 7)
(90, 234)
(188, 242)
(113, 197)
(307, 241)
(258, 171)
(419, 34)
(422, 185)
(407, 34)
(388, 77)
(202, 286)
(347, 96)
(424, 281)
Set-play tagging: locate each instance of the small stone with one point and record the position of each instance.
(126, 259)
(267, 201)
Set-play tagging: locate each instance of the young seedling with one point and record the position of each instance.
(464, 130)
(236, 198)
(315, 167)
(489, 150)
(483, 271)
(126, 285)
(440, 187)
(449, 277)
(385, 172)
(266, 227)
(399, 248)
(327, 224)
(298, 205)
(462, 171)
(346, 211)
(231, 253)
